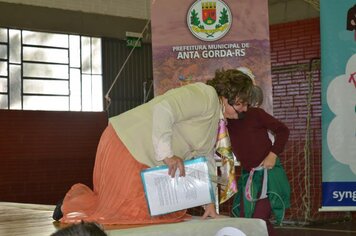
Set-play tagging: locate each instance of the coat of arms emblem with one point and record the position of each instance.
(209, 20)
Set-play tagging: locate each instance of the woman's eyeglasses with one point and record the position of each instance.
(238, 104)
(233, 107)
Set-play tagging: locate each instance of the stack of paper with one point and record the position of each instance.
(165, 194)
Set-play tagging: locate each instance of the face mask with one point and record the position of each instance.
(241, 115)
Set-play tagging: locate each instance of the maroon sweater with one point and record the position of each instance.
(249, 137)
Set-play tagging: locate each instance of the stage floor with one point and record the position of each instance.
(18, 219)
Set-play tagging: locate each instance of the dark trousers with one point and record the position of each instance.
(262, 211)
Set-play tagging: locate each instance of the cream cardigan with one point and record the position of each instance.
(182, 122)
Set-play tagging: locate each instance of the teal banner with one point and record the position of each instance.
(338, 58)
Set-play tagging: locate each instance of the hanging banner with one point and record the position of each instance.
(338, 57)
(192, 39)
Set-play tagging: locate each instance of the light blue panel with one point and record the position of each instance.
(338, 57)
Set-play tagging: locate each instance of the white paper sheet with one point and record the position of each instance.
(165, 194)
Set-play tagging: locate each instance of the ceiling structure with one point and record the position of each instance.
(314, 3)
(81, 17)
(282, 11)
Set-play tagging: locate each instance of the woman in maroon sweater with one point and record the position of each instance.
(250, 141)
(253, 148)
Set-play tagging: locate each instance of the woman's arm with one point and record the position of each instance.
(177, 105)
(280, 132)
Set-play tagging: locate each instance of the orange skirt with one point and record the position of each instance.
(118, 196)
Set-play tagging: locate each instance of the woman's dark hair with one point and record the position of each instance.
(232, 84)
(81, 229)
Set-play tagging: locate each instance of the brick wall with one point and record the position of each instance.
(295, 54)
(295, 60)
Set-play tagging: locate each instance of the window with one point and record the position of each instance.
(47, 71)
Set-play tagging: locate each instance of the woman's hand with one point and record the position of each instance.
(173, 164)
(269, 161)
(210, 211)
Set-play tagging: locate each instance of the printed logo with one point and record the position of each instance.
(209, 20)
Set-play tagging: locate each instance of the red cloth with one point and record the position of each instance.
(249, 137)
(118, 196)
(262, 211)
